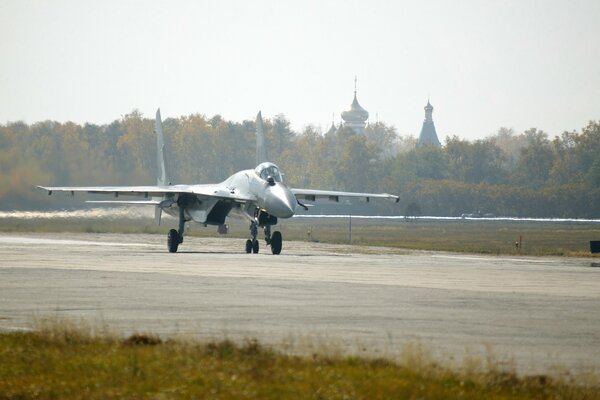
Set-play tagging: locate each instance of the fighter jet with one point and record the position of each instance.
(257, 195)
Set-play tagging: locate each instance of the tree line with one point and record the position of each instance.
(527, 174)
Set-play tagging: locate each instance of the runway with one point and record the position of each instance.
(535, 313)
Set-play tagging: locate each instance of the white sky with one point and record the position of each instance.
(484, 64)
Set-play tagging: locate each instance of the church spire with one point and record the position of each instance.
(428, 111)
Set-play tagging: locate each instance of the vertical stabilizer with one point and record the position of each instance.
(162, 178)
(261, 150)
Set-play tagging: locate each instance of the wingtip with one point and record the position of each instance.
(393, 196)
(46, 189)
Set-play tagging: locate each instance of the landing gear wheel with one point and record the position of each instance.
(276, 242)
(255, 246)
(248, 246)
(173, 240)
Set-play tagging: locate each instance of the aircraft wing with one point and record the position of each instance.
(201, 191)
(313, 195)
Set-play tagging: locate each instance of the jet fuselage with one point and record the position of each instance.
(266, 194)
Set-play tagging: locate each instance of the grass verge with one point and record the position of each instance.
(485, 236)
(67, 361)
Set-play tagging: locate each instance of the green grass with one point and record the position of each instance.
(67, 361)
(489, 237)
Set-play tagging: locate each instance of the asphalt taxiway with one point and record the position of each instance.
(535, 313)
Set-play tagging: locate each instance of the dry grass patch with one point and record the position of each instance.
(63, 362)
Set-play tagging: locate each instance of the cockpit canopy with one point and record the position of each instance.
(267, 169)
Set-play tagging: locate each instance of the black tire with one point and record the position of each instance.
(276, 242)
(173, 241)
(255, 246)
(248, 246)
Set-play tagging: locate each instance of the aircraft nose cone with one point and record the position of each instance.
(280, 202)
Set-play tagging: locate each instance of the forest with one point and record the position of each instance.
(513, 174)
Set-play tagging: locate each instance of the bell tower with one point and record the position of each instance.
(428, 136)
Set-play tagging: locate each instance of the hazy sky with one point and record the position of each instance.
(483, 64)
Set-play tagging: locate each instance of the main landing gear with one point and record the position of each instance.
(275, 240)
(175, 238)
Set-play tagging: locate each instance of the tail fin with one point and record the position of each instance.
(261, 150)
(162, 176)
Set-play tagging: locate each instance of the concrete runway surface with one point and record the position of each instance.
(534, 313)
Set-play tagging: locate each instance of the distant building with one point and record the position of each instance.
(332, 130)
(356, 117)
(428, 136)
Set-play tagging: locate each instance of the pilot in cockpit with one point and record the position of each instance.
(267, 169)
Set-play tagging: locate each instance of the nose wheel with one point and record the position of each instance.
(252, 246)
(252, 243)
(274, 240)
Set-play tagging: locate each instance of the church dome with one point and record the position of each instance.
(332, 130)
(356, 113)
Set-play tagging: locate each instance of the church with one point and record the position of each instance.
(428, 136)
(356, 118)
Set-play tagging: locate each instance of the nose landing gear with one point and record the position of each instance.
(252, 246)
(275, 240)
(252, 243)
